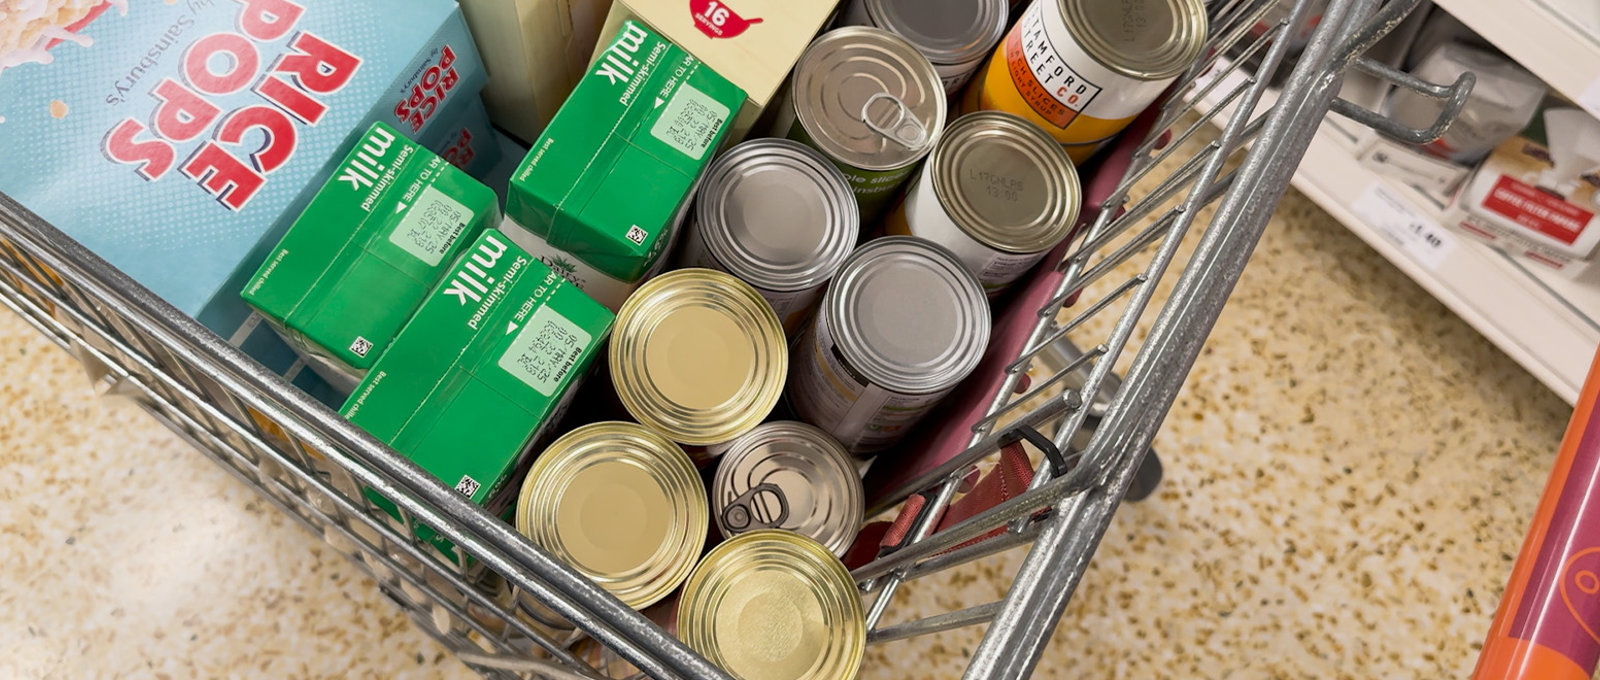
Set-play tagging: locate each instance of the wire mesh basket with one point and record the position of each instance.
(313, 465)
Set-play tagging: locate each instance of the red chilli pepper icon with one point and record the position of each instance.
(715, 19)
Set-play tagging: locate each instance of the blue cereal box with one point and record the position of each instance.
(179, 139)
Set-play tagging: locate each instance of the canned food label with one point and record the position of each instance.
(955, 76)
(432, 226)
(791, 306)
(923, 216)
(1041, 73)
(873, 188)
(828, 393)
(1046, 82)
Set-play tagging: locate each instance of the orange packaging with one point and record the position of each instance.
(1083, 69)
(1546, 627)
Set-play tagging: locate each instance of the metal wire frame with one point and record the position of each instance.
(1081, 500)
(313, 465)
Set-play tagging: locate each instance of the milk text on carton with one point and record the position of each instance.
(289, 90)
(364, 165)
(473, 280)
(622, 58)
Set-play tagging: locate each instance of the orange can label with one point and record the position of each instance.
(1041, 73)
(1047, 84)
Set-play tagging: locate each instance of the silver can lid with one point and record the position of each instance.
(777, 214)
(789, 475)
(1005, 182)
(1143, 39)
(868, 98)
(947, 31)
(907, 315)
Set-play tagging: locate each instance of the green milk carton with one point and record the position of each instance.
(469, 386)
(601, 192)
(366, 251)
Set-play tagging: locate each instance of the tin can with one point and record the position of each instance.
(1083, 69)
(774, 604)
(699, 356)
(997, 191)
(871, 103)
(789, 475)
(619, 503)
(779, 216)
(955, 35)
(903, 323)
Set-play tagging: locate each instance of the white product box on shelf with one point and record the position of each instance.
(1538, 198)
(1430, 174)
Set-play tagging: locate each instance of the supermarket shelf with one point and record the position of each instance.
(1558, 40)
(1546, 323)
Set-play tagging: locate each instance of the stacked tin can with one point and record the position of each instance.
(834, 283)
(871, 103)
(1082, 70)
(955, 35)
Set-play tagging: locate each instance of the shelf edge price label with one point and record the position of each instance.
(1399, 222)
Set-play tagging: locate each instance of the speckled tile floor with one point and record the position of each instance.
(1349, 472)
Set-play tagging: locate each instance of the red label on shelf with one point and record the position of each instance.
(1534, 209)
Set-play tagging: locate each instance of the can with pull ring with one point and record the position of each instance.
(871, 103)
(788, 475)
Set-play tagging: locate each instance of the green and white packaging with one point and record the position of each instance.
(600, 194)
(366, 251)
(489, 362)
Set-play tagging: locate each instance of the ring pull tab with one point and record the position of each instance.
(904, 130)
(749, 510)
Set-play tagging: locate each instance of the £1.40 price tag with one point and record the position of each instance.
(1401, 223)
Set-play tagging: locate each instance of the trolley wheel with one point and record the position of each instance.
(1146, 479)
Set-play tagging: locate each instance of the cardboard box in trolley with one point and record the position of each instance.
(600, 195)
(179, 140)
(753, 43)
(365, 253)
(487, 364)
(536, 51)
(1537, 196)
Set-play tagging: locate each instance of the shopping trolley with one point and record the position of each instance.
(313, 465)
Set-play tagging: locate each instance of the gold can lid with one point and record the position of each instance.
(774, 604)
(619, 503)
(698, 355)
(1006, 182)
(1143, 39)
